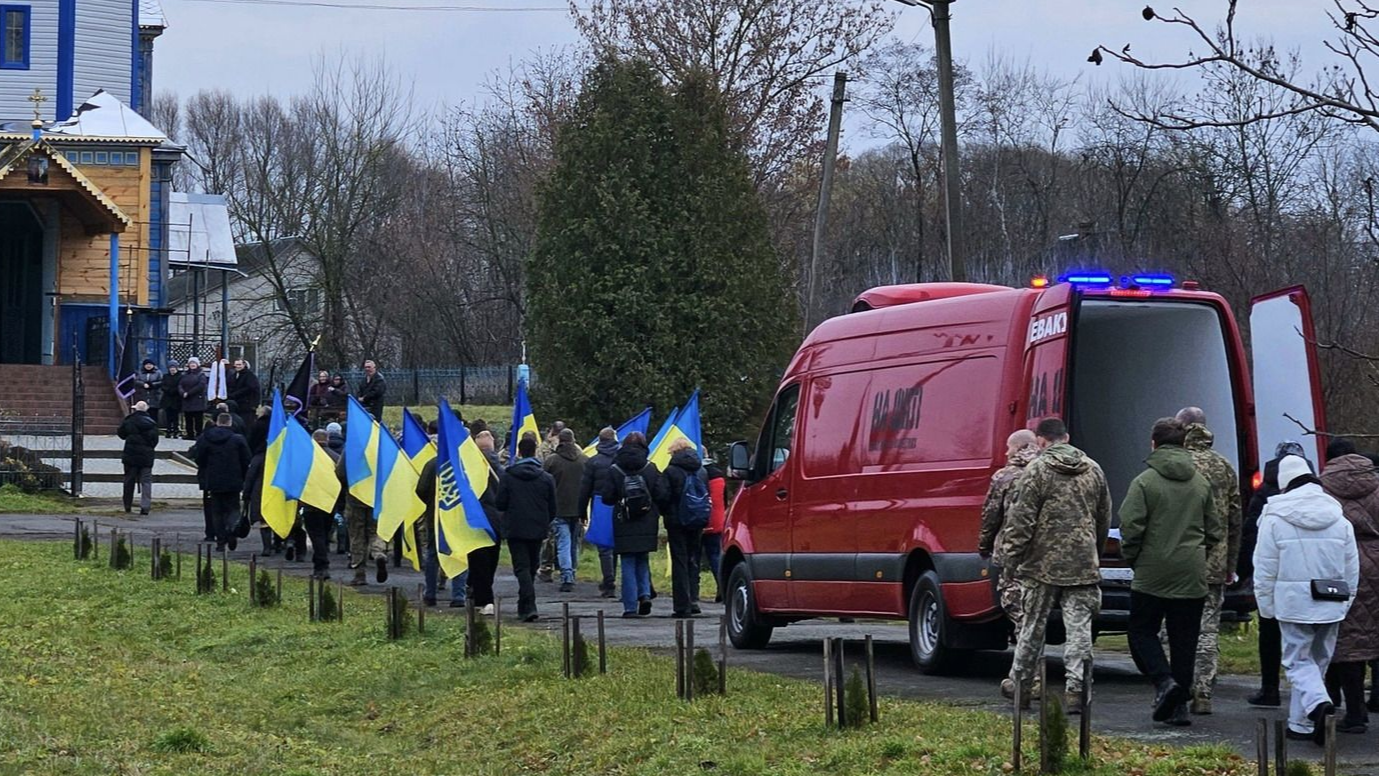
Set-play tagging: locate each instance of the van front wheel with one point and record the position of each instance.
(929, 626)
(745, 627)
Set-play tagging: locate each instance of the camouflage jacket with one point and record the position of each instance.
(1057, 524)
(1226, 496)
(999, 500)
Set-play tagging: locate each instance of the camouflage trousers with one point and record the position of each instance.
(1078, 604)
(1009, 593)
(365, 543)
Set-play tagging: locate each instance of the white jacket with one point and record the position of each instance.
(1303, 536)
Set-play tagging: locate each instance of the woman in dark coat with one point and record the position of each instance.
(634, 539)
(1352, 480)
(192, 388)
(171, 401)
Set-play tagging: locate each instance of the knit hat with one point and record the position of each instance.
(334, 428)
(148, 362)
(1289, 447)
(174, 365)
(193, 361)
(1291, 467)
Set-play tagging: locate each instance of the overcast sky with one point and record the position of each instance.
(255, 49)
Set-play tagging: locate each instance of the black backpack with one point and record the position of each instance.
(636, 502)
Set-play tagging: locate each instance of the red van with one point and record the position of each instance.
(863, 495)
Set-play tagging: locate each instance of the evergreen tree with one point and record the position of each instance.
(654, 271)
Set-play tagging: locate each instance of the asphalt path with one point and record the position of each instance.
(1121, 695)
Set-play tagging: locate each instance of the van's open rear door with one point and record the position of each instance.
(1047, 355)
(1285, 376)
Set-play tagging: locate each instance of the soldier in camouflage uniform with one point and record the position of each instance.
(1021, 449)
(1055, 530)
(1221, 559)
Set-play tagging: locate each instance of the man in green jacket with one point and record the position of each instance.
(1221, 560)
(1054, 533)
(1169, 524)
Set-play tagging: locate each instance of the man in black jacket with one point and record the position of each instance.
(527, 499)
(372, 391)
(140, 433)
(595, 475)
(171, 403)
(318, 523)
(683, 534)
(244, 391)
(222, 458)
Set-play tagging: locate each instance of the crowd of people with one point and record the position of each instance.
(1307, 547)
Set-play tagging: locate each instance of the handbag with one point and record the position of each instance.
(1330, 590)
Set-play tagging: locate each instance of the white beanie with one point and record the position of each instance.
(1291, 467)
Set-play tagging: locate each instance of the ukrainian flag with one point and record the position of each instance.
(361, 452)
(462, 475)
(683, 425)
(395, 489)
(638, 423)
(523, 420)
(600, 533)
(304, 471)
(279, 511)
(419, 449)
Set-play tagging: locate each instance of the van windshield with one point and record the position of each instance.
(1135, 362)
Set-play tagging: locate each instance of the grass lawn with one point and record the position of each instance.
(498, 416)
(110, 672)
(12, 499)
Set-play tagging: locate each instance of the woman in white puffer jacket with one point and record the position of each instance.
(1304, 537)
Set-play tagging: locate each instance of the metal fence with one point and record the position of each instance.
(460, 385)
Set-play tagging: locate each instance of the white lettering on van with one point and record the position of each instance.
(1049, 326)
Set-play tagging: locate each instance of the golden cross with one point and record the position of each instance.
(37, 99)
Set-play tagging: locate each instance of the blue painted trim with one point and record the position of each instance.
(18, 64)
(136, 91)
(114, 302)
(67, 58)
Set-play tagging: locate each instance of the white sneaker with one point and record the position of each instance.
(488, 610)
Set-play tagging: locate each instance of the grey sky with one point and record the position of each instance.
(256, 49)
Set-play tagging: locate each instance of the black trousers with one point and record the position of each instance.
(1346, 683)
(193, 429)
(143, 477)
(172, 417)
(1182, 619)
(685, 567)
(318, 526)
(483, 566)
(208, 515)
(1271, 652)
(225, 513)
(526, 555)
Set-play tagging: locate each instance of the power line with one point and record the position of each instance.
(389, 7)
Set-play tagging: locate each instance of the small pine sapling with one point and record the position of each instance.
(855, 706)
(1298, 768)
(165, 565)
(264, 593)
(328, 609)
(84, 543)
(483, 638)
(580, 662)
(1056, 733)
(706, 673)
(208, 578)
(123, 558)
(401, 618)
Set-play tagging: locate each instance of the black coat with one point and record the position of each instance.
(193, 388)
(140, 433)
(243, 390)
(172, 395)
(596, 473)
(371, 393)
(633, 535)
(527, 499)
(1250, 526)
(222, 459)
(685, 463)
(426, 491)
(148, 387)
(258, 435)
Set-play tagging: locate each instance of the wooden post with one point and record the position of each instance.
(177, 553)
(565, 640)
(1262, 747)
(1085, 719)
(311, 599)
(680, 659)
(828, 683)
(253, 578)
(95, 540)
(469, 627)
(421, 608)
(1281, 748)
(1044, 716)
(339, 601)
(278, 591)
(576, 668)
(1330, 745)
(723, 654)
(498, 624)
(1018, 700)
(76, 538)
(111, 560)
(390, 610)
(871, 679)
(689, 660)
(198, 569)
(603, 656)
(224, 571)
(839, 682)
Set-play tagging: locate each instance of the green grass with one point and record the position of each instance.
(119, 674)
(498, 416)
(12, 499)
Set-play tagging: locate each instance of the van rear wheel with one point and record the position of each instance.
(929, 626)
(745, 627)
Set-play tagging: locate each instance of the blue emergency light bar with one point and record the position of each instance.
(1151, 280)
(1098, 279)
(1088, 279)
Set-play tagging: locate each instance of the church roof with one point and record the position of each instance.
(151, 15)
(100, 206)
(104, 117)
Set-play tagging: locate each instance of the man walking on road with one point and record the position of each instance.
(596, 474)
(1055, 530)
(140, 433)
(365, 542)
(1221, 560)
(527, 499)
(1021, 449)
(1169, 525)
(685, 513)
(318, 522)
(566, 465)
(222, 457)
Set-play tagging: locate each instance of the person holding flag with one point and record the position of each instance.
(356, 470)
(596, 476)
(527, 498)
(319, 522)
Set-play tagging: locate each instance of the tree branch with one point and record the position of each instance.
(1328, 434)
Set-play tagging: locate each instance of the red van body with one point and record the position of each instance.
(864, 493)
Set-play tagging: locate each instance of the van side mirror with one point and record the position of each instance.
(739, 461)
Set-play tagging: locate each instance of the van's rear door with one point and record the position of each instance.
(1285, 375)
(1047, 354)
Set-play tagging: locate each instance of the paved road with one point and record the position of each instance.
(1122, 695)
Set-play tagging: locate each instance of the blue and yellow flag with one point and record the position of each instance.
(395, 495)
(684, 425)
(361, 450)
(416, 443)
(462, 475)
(279, 511)
(600, 533)
(305, 472)
(523, 420)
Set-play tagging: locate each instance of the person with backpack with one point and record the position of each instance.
(632, 487)
(685, 511)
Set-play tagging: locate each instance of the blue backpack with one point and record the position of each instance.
(694, 501)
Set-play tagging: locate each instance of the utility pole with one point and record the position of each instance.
(826, 184)
(948, 129)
